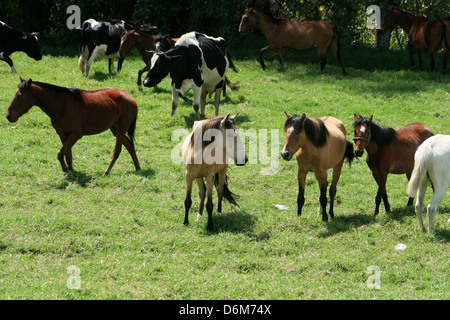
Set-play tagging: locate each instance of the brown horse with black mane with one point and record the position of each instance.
(75, 113)
(424, 34)
(388, 151)
(283, 33)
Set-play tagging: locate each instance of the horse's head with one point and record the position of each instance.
(248, 19)
(22, 102)
(234, 147)
(127, 42)
(295, 136)
(362, 133)
(389, 19)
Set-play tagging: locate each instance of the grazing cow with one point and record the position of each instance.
(196, 62)
(100, 39)
(12, 40)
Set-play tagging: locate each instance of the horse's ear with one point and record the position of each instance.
(233, 118)
(21, 79)
(370, 118)
(303, 117)
(287, 115)
(224, 120)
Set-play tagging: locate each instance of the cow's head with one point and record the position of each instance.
(31, 46)
(160, 67)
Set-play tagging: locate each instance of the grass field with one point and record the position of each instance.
(123, 234)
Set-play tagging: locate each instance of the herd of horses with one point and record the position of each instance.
(318, 143)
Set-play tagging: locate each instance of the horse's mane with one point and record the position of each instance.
(315, 129)
(75, 92)
(381, 135)
(408, 13)
(274, 19)
(213, 123)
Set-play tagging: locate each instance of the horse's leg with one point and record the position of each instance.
(66, 151)
(444, 62)
(281, 57)
(419, 201)
(431, 55)
(187, 200)
(336, 175)
(419, 58)
(261, 53)
(301, 178)
(119, 64)
(209, 202)
(381, 193)
(411, 55)
(222, 176)
(128, 145)
(322, 179)
(141, 71)
(439, 194)
(411, 199)
(202, 194)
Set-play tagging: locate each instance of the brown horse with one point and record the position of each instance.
(318, 144)
(76, 112)
(146, 44)
(205, 154)
(283, 33)
(424, 35)
(388, 151)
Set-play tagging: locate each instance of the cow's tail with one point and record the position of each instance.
(227, 194)
(81, 51)
(419, 173)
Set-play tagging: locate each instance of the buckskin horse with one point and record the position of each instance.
(76, 112)
(388, 151)
(424, 34)
(283, 33)
(205, 153)
(318, 144)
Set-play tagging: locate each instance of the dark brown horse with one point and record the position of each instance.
(75, 113)
(424, 35)
(146, 44)
(388, 151)
(283, 33)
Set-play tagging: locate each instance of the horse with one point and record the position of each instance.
(318, 144)
(146, 44)
(76, 112)
(283, 33)
(388, 151)
(205, 155)
(424, 35)
(431, 162)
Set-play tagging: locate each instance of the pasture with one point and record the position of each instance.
(125, 233)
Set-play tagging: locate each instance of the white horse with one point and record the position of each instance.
(431, 161)
(205, 154)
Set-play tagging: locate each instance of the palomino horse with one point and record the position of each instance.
(318, 144)
(283, 33)
(431, 162)
(76, 112)
(388, 151)
(424, 35)
(146, 44)
(205, 154)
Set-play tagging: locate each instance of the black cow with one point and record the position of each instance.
(12, 40)
(196, 62)
(100, 39)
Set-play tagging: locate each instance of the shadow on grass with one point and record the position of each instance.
(234, 222)
(77, 177)
(148, 173)
(346, 223)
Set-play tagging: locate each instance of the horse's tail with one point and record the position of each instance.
(231, 61)
(337, 40)
(420, 171)
(227, 194)
(131, 130)
(349, 152)
(444, 36)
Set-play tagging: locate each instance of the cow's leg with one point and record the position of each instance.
(111, 65)
(141, 71)
(197, 99)
(9, 61)
(203, 102)
(119, 64)
(175, 94)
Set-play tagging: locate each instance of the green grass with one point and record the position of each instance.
(125, 234)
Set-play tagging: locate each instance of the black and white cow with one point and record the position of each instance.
(12, 40)
(100, 39)
(196, 62)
